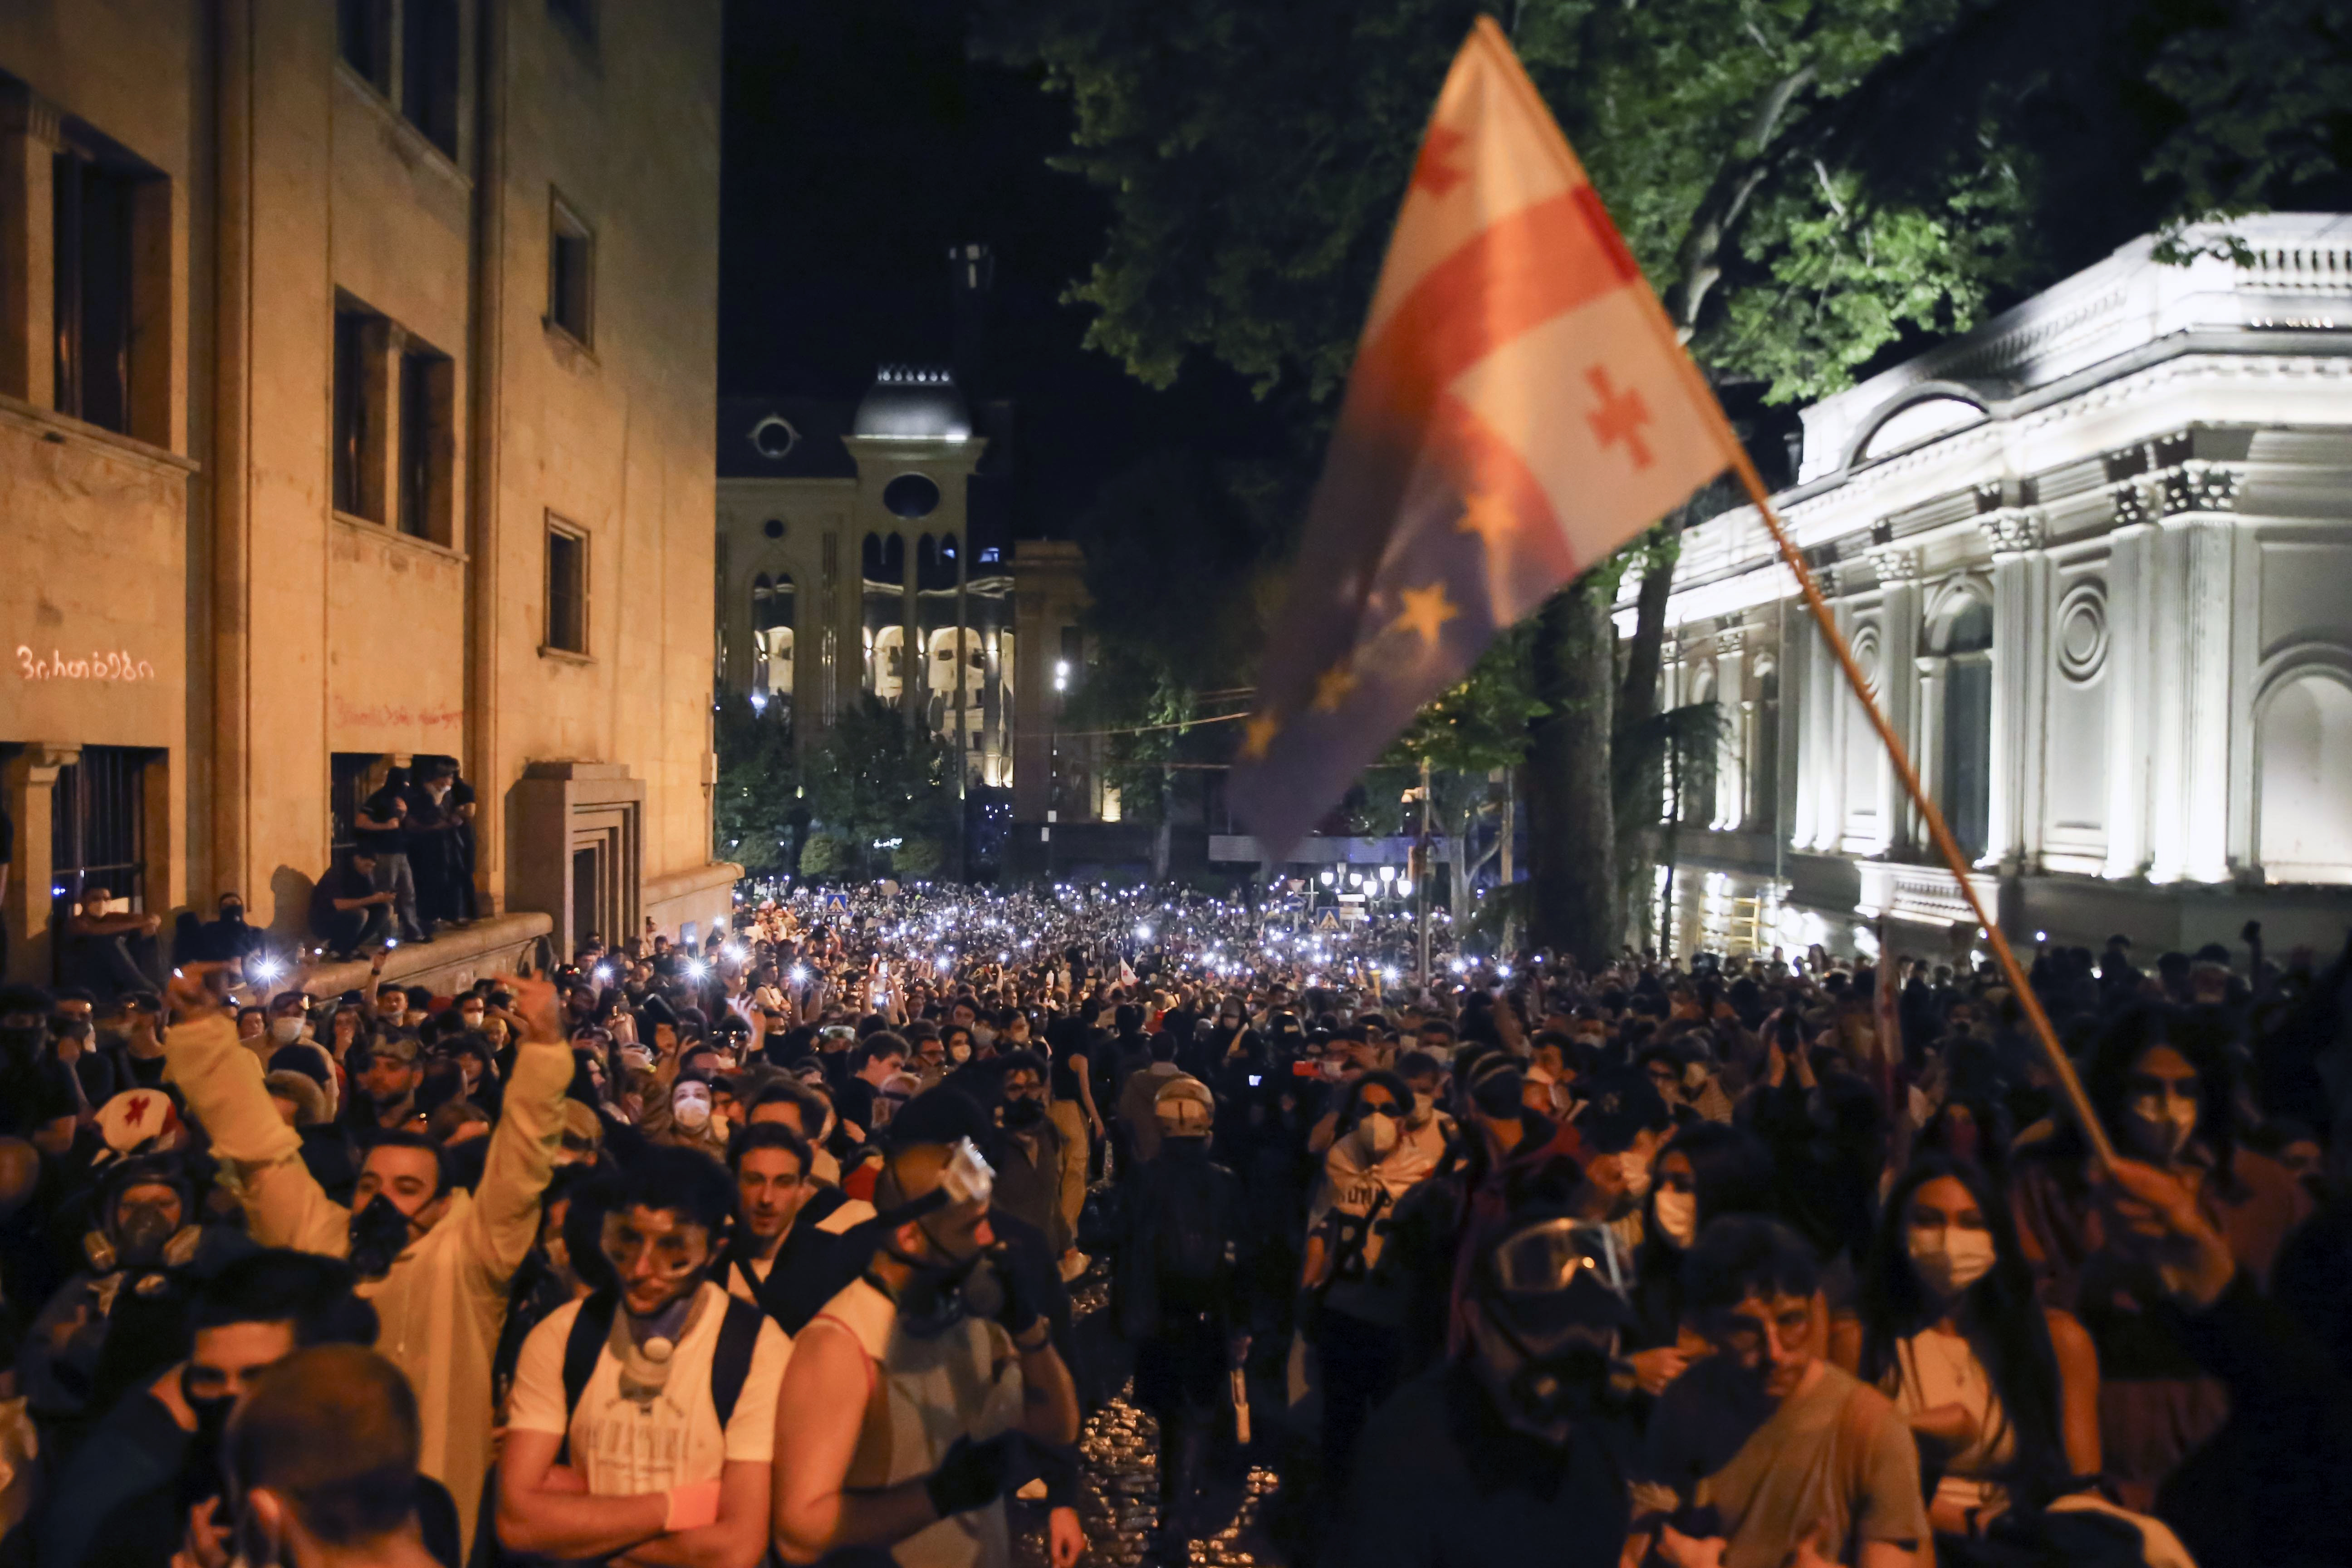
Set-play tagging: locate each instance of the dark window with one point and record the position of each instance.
(92, 234)
(571, 268)
(350, 414)
(97, 829)
(424, 443)
(364, 34)
(567, 590)
(580, 16)
(1966, 795)
(429, 69)
(347, 788)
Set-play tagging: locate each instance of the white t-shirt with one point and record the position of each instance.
(623, 1450)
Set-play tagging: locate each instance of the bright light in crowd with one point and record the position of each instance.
(941, 966)
(800, 975)
(695, 968)
(1388, 975)
(735, 952)
(266, 968)
(1061, 674)
(1459, 966)
(1143, 933)
(603, 971)
(1503, 971)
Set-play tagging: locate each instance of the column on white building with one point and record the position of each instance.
(1828, 702)
(1731, 748)
(1898, 633)
(2020, 641)
(2129, 731)
(2194, 583)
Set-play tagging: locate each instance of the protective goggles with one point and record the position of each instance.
(1549, 1256)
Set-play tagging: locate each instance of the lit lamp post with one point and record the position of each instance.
(1053, 759)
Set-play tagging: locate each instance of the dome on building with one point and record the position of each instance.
(913, 403)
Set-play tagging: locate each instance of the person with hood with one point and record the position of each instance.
(434, 1261)
(1356, 1311)
(1177, 1294)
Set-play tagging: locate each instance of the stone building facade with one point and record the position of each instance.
(846, 540)
(2096, 560)
(355, 405)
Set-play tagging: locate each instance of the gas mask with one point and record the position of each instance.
(947, 1288)
(379, 1234)
(1562, 1292)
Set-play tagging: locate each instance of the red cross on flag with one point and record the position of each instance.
(1518, 409)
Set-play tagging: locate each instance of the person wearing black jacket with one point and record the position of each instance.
(792, 1251)
(1176, 1292)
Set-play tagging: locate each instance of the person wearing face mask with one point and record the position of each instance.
(929, 1389)
(1355, 1310)
(1704, 1172)
(228, 936)
(1518, 1448)
(2003, 1392)
(643, 1417)
(38, 1099)
(2167, 1095)
(1029, 1172)
(149, 1476)
(693, 1120)
(436, 1261)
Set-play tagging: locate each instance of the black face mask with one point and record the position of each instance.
(233, 914)
(379, 1232)
(22, 1042)
(200, 1472)
(942, 1295)
(1574, 1382)
(1020, 1115)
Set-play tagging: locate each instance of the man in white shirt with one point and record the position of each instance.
(639, 1426)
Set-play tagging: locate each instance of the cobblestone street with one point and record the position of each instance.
(1118, 1488)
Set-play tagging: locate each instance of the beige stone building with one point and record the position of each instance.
(356, 377)
(846, 568)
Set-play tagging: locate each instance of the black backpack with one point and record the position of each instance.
(731, 1362)
(1189, 1243)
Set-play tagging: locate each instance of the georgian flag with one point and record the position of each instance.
(1518, 408)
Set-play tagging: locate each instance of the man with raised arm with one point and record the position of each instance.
(434, 1260)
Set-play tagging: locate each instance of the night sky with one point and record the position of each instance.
(859, 145)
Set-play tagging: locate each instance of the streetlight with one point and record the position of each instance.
(1355, 879)
(1329, 877)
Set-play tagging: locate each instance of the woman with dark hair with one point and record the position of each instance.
(2004, 1390)
(1706, 1170)
(2167, 1095)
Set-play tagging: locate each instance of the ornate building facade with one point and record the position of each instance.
(2096, 560)
(848, 567)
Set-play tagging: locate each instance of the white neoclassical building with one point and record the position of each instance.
(2096, 560)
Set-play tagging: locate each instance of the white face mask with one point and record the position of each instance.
(1949, 1259)
(1676, 1212)
(690, 1108)
(285, 1031)
(1423, 1109)
(981, 1034)
(1377, 1134)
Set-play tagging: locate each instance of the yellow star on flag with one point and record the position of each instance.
(1490, 517)
(1425, 611)
(1331, 687)
(1258, 734)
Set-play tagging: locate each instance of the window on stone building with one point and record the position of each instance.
(363, 36)
(427, 383)
(92, 239)
(1963, 789)
(98, 830)
(567, 588)
(347, 777)
(429, 69)
(571, 272)
(352, 400)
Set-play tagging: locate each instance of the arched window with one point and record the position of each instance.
(2302, 741)
(773, 626)
(1964, 781)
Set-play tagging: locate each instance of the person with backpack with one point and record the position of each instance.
(1176, 1293)
(644, 1413)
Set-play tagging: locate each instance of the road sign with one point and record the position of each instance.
(1328, 922)
(836, 903)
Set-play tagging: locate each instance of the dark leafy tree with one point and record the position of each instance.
(754, 805)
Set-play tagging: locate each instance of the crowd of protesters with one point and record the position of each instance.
(690, 1253)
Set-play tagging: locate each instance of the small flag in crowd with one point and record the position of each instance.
(1517, 410)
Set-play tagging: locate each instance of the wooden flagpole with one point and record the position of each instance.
(1947, 846)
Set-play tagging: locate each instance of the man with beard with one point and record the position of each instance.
(1515, 1449)
(384, 1080)
(922, 1392)
(126, 1496)
(434, 1260)
(643, 1417)
(1764, 1453)
(229, 936)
